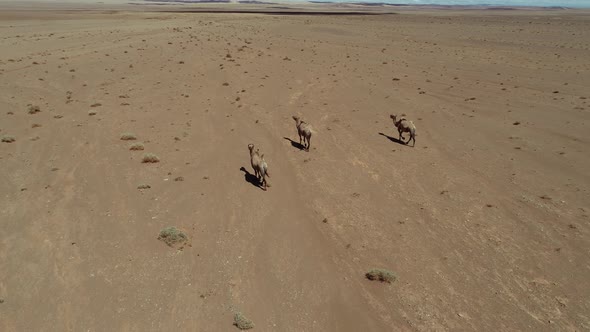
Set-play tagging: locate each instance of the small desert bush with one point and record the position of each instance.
(8, 139)
(172, 235)
(91, 113)
(381, 275)
(34, 109)
(136, 146)
(242, 322)
(144, 186)
(150, 158)
(128, 137)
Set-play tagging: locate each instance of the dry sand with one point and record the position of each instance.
(485, 221)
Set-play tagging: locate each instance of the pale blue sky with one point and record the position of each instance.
(564, 3)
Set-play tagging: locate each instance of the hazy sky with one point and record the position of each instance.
(565, 3)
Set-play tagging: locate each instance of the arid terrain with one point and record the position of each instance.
(485, 221)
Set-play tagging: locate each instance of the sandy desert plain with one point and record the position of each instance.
(485, 221)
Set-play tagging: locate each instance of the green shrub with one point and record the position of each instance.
(381, 275)
(172, 236)
(128, 137)
(8, 139)
(136, 146)
(34, 109)
(150, 158)
(242, 322)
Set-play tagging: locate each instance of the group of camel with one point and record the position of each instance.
(305, 131)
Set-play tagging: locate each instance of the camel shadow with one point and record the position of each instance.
(249, 177)
(295, 144)
(395, 140)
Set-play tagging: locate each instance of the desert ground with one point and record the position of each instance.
(485, 221)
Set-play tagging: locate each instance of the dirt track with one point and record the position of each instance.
(485, 221)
